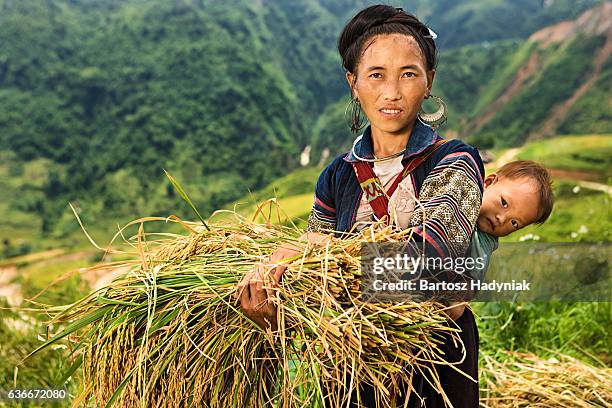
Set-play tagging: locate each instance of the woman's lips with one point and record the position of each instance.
(390, 113)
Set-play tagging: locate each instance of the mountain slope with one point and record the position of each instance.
(98, 96)
(505, 92)
(564, 79)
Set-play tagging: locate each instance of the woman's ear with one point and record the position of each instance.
(431, 74)
(491, 179)
(351, 79)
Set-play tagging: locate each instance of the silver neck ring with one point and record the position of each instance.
(374, 160)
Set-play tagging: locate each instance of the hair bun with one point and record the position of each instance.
(390, 20)
(366, 20)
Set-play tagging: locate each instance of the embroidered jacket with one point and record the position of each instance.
(448, 185)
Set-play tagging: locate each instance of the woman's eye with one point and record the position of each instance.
(515, 223)
(409, 74)
(375, 75)
(504, 203)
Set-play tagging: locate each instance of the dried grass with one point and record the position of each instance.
(170, 333)
(526, 380)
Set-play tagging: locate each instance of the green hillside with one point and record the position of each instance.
(592, 110)
(590, 155)
(97, 97)
(559, 73)
(585, 153)
(492, 20)
(503, 93)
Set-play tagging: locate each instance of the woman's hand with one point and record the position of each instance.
(455, 310)
(256, 301)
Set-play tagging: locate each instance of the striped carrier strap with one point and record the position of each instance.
(376, 195)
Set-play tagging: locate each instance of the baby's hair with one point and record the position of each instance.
(532, 170)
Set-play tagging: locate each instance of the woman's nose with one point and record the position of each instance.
(391, 90)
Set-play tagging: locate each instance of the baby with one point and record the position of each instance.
(517, 195)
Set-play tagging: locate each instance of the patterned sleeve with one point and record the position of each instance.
(322, 218)
(449, 203)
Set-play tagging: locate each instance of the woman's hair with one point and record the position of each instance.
(383, 19)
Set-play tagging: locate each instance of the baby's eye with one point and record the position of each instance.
(376, 75)
(515, 224)
(504, 203)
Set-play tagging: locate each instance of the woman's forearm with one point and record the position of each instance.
(292, 249)
(316, 238)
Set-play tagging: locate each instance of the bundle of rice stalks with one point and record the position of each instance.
(526, 380)
(170, 332)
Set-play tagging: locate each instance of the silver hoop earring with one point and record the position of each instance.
(357, 120)
(436, 118)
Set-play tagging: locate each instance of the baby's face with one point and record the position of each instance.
(508, 205)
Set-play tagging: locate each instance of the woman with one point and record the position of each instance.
(390, 59)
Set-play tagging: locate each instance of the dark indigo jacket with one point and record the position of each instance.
(337, 193)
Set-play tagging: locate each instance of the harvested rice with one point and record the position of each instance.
(170, 333)
(526, 380)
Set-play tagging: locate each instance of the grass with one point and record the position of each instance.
(523, 379)
(579, 329)
(300, 181)
(590, 153)
(293, 208)
(20, 333)
(33, 257)
(44, 273)
(293, 193)
(572, 213)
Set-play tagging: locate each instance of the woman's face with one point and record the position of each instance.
(391, 81)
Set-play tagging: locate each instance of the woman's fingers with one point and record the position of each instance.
(244, 292)
(245, 298)
(243, 284)
(278, 273)
(256, 297)
(251, 289)
(262, 295)
(258, 294)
